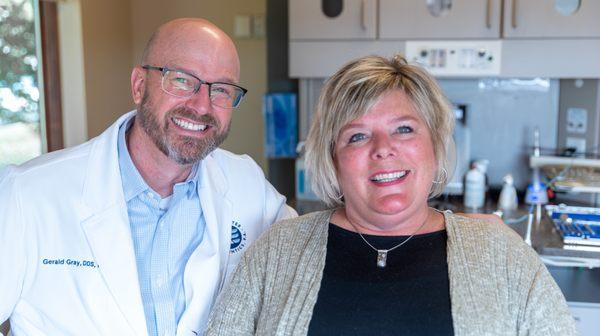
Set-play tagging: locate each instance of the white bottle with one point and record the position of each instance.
(474, 196)
(508, 196)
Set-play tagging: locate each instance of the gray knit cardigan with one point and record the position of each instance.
(498, 285)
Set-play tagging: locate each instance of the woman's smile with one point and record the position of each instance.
(389, 178)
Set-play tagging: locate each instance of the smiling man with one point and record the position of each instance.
(136, 231)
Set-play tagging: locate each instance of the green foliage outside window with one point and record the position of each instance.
(18, 63)
(19, 94)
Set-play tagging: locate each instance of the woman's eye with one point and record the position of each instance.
(404, 129)
(357, 137)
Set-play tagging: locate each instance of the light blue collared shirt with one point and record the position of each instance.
(165, 232)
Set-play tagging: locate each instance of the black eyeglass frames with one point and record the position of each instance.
(183, 84)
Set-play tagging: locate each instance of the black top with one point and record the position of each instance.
(410, 296)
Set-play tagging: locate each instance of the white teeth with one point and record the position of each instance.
(188, 125)
(388, 177)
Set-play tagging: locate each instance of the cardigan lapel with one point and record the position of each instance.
(468, 299)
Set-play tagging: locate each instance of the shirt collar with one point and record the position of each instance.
(193, 180)
(133, 182)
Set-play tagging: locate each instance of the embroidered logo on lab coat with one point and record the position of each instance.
(69, 262)
(238, 237)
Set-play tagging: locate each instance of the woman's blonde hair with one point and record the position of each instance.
(350, 93)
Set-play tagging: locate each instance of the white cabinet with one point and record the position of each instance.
(413, 19)
(356, 21)
(543, 18)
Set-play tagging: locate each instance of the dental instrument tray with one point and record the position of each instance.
(577, 225)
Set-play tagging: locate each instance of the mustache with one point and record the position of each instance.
(192, 115)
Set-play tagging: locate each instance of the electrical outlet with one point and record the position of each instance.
(576, 120)
(577, 143)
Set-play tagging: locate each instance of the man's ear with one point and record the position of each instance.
(138, 80)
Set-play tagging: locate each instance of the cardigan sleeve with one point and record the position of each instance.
(236, 310)
(546, 312)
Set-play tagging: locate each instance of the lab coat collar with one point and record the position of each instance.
(106, 226)
(103, 174)
(201, 281)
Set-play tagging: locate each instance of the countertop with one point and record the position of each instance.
(544, 238)
(578, 284)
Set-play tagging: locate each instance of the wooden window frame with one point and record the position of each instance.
(51, 66)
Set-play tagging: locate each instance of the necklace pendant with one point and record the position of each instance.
(382, 258)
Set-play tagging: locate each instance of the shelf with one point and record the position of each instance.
(541, 161)
(579, 175)
(576, 189)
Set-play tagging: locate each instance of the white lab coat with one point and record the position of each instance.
(67, 263)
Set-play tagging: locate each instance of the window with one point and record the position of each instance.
(25, 132)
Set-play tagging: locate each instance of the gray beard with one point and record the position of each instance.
(182, 149)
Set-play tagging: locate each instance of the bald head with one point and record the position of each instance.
(173, 122)
(191, 38)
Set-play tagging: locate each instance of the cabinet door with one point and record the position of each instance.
(543, 18)
(415, 19)
(356, 21)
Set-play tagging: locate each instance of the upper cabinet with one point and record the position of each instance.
(551, 18)
(461, 38)
(333, 19)
(442, 19)
(439, 19)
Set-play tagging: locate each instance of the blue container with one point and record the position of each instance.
(281, 125)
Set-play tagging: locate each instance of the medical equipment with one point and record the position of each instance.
(576, 225)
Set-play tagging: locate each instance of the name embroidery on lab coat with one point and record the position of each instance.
(70, 262)
(238, 237)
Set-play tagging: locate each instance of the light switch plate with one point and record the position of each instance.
(259, 26)
(242, 26)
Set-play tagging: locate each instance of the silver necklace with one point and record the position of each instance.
(382, 254)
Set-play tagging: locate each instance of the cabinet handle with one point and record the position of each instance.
(488, 14)
(363, 16)
(513, 16)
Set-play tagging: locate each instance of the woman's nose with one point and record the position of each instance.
(382, 147)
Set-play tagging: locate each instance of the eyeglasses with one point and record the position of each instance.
(182, 84)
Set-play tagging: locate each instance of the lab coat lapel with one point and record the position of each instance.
(106, 226)
(207, 266)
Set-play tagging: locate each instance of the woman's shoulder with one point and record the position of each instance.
(484, 227)
(488, 235)
(305, 223)
(294, 231)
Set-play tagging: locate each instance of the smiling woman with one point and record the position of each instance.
(383, 261)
